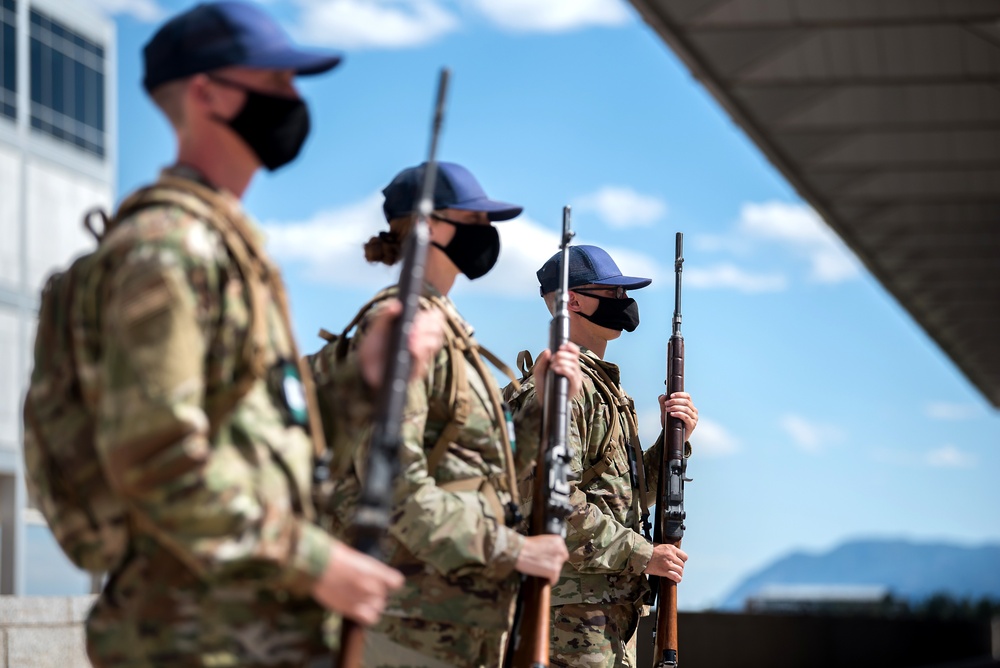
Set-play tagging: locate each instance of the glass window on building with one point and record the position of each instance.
(8, 54)
(67, 84)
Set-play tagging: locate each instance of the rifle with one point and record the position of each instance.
(371, 519)
(670, 487)
(529, 643)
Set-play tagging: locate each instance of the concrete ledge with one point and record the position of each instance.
(79, 608)
(43, 631)
(46, 647)
(43, 610)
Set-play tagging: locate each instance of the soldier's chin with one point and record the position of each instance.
(612, 334)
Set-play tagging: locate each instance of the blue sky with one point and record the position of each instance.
(827, 414)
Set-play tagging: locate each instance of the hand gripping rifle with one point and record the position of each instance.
(372, 517)
(670, 488)
(529, 644)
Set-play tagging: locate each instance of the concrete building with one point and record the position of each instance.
(58, 85)
(858, 599)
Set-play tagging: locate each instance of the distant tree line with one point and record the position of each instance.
(942, 606)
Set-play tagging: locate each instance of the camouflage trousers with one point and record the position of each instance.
(593, 635)
(156, 613)
(417, 643)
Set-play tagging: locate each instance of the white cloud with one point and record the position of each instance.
(727, 275)
(811, 437)
(525, 246)
(328, 249)
(731, 242)
(713, 440)
(621, 207)
(386, 24)
(780, 228)
(553, 15)
(329, 245)
(148, 11)
(949, 457)
(800, 229)
(943, 410)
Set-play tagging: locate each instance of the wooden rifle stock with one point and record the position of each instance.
(532, 650)
(670, 488)
(371, 519)
(528, 646)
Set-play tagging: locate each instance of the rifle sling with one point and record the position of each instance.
(465, 343)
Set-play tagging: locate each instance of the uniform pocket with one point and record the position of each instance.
(619, 458)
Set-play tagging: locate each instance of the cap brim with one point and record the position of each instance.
(496, 211)
(300, 61)
(627, 282)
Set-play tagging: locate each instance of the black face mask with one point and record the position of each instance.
(615, 313)
(274, 127)
(474, 249)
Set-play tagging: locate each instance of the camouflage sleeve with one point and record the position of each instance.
(454, 532)
(202, 500)
(527, 416)
(346, 403)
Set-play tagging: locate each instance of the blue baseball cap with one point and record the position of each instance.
(454, 188)
(213, 35)
(588, 265)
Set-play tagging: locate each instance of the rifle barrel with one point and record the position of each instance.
(670, 489)
(371, 519)
(529, 643)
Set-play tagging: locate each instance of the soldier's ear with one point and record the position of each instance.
(206, 98)
(199, 90)
(574, 302)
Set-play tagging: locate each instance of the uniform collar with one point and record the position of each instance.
(431, 291)
(614, 373)
(190, 173)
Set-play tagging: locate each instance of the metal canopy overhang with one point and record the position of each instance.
(885, 116)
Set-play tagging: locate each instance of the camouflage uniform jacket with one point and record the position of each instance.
(448, 534)
(607, 552)
(220, 506)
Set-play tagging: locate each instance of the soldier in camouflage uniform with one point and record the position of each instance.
(598, 601)
(452, 522)
(203, 421)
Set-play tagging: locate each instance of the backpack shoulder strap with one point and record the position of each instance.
(465, 343)
(342, 340)
(607, 457)
(458, 399)
(525, 363)
(621, 407)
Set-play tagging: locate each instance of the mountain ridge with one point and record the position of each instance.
(912, 570)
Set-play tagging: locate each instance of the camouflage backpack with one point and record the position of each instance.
(64, 473)
(326, 363)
